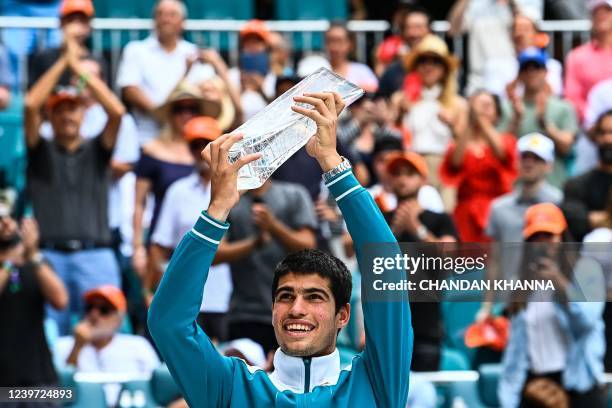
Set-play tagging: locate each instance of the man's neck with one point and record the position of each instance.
(100, 344)
(604, 40)
(168, 43)
(530, 94)
(70, 144)
(531, 189)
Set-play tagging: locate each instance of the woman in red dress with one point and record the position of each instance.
(482, 164)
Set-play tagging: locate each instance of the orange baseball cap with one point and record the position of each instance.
(202, 127)
(493, 333)
(61, 94)
(544, 217)
(414, 159)
(257, 28)
(77, 6)
(109, 293)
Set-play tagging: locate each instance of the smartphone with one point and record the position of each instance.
(258, 63)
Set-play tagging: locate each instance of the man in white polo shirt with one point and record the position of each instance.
(151, 68)
(183, 202)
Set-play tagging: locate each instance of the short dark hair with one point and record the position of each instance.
(414, 9)
(596, 129)
(315, 261)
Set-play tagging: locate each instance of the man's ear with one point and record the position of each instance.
(343, 316)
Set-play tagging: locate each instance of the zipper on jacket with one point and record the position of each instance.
(307, 374)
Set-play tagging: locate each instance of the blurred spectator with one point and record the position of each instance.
(68, 179)
(429, 106)
(505, 222)
(499, 72)
(590, 63)
(487, 23)
(537, 110)
(254, 76)
(428, 197)
(506, 218)
(26, 283)
(598, 102)
(597, 245)
(125, 155)
(6, 78)
(414, 25)
(280, 55)
(411, 223)
(21, 42)
(482, 164)
(367, 120)
(75, 23)
(586, 195)
(222, 98)
(182, 204)
(556, 346)
(98, 347)
(268, 222)
(163, 160)
(338, 47)
(150, 69)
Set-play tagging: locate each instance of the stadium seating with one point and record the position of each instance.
(220, 10)
(487, 383)
(316, 10)
(12, 147)
(163, 386)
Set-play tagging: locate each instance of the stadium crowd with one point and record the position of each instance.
(522, 152)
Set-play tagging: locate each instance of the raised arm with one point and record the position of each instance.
(387, 320)
(110, 103)
(203, 375)
(36, 98)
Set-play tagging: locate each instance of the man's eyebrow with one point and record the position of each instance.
(316, 290)
(284, 289)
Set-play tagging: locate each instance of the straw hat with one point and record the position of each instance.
(433, 45)
(184, 91)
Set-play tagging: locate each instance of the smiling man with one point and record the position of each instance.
(310, 301)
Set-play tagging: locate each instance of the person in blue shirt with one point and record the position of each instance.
(310, 300)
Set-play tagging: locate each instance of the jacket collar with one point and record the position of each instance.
(297, 373)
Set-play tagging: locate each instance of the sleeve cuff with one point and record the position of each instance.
(209, 229)
(343, 185)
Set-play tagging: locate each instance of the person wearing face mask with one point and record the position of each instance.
(26, 283)
(97, 346)
(585, 195)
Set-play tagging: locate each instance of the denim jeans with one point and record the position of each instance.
(80, 271)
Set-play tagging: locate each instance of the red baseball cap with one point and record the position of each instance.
(413, 159)
(201, 127)
(76, 6)
(257, 28)
(492, 333)
(544, 217)
(111, 294)
(67, 93)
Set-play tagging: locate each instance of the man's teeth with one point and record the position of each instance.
(300, 327)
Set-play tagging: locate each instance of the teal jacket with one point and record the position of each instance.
(377, 377)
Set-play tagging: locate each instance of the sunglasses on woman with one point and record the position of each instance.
(430, 60)
(180, 108)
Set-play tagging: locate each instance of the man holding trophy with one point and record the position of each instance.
(310, 299)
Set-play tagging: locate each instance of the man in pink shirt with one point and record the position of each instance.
(592, 62)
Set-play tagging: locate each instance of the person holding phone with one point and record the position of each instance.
(556, 347)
